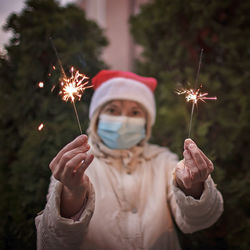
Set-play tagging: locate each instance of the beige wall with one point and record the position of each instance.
(113, 17)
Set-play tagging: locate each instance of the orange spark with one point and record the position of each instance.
(74, 86)
(40, 127)
(40, 84)
(53, 87)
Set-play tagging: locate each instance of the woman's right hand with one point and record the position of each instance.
(71, 162)
(68, 167)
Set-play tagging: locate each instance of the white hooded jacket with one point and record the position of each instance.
(132, 203)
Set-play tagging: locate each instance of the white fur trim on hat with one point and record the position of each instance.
(120, 88)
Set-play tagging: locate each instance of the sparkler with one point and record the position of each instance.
(72, 87)
(195, 95)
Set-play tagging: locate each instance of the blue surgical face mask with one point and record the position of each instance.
(121, 132)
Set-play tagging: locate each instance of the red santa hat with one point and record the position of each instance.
(120, 85)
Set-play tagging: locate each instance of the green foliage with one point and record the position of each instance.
(172, 34)
(25, 153)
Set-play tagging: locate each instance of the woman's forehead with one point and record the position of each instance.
(124, 102)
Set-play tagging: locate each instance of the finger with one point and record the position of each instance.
(186, 178)
(80, 140)
(208, 162)
(85, 164)
(71, 165)
(187, 156)
(188, 159)
(190, 165)
(205, 158)
(200, 163)
(187, 142)
(183, 175)
(70, 154)
(63, 170)
(66, 152)
(58, 169)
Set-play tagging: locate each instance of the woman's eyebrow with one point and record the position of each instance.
(137, 107)
(112, 105)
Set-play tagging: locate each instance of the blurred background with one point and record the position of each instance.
(159, 38)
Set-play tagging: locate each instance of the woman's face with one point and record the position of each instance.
(124, 108)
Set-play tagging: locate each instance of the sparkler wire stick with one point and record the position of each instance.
(65, 76)
(199, 68)
(77, 117)
(196, 82)
(190, 122)
(57, 56)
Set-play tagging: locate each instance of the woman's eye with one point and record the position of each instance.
(136, 112)
(111, 110)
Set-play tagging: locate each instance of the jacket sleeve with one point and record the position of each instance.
(193, 214)
(56, 232)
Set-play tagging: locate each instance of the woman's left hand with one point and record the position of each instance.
(193, 170)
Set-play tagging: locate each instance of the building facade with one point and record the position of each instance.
(113, 17)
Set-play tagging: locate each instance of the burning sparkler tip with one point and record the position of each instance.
(194, 96)
(73, 87)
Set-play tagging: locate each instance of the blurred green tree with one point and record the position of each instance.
(25, 153)
(172, 34)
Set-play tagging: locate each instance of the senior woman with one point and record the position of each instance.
(114, 190)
